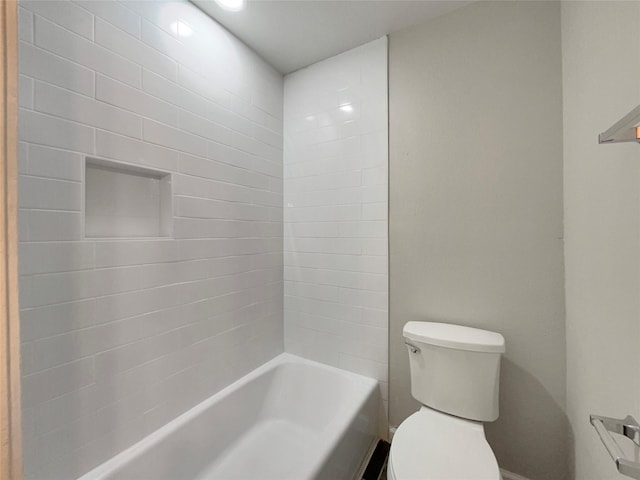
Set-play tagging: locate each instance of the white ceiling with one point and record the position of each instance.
(291, 34)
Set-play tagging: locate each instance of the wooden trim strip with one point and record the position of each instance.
(10, 420)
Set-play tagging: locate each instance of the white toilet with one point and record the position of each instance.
(455, 373)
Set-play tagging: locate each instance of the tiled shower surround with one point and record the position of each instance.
(335, 195)
(122, 335)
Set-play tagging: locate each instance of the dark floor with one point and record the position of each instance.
(377, 467)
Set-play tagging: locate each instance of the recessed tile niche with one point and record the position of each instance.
(126, 201)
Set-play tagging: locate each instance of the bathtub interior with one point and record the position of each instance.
(306, 395)
(290, 419)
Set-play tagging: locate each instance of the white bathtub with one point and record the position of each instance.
(289, 419)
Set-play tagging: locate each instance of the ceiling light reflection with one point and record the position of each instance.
(232, 5)
(181, 29)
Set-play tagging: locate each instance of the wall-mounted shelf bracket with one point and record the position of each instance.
(624, 426)
(626, 129)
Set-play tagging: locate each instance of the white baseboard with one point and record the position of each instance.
(506, 475)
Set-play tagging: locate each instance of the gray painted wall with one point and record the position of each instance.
(602, 223)
(476, 217)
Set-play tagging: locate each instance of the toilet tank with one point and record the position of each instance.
(455, 369)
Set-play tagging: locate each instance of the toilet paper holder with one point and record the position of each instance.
(623, 426)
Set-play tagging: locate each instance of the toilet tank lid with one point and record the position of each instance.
(455, 336)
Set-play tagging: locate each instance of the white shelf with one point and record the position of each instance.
(624, 130)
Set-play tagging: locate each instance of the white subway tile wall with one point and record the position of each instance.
(335, 215)
(121, 335)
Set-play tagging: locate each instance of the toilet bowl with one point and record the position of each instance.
(436, 446)
(455, 374)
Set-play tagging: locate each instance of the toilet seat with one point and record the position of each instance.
(431, 445)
